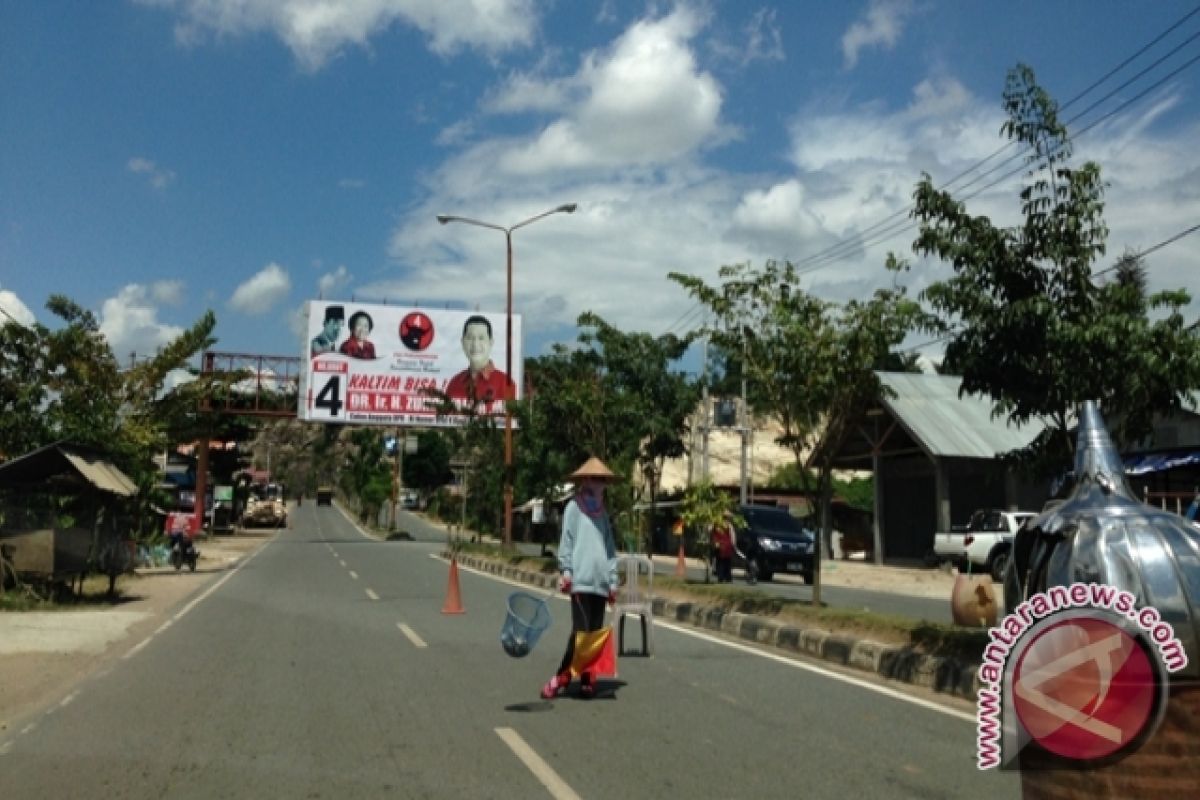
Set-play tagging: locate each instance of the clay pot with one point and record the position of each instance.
(973, 601)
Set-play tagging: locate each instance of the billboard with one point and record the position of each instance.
(367, 364)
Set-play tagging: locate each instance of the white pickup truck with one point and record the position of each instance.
(985, 542)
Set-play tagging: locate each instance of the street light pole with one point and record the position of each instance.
(566, 208)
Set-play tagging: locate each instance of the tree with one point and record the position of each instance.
(1029, 325)
(615, 397)
(703, 508)
(367, 475)
(810, 363)
(429, 468)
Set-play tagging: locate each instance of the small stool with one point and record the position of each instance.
(635, 574)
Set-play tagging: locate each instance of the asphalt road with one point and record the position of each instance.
(324, 668)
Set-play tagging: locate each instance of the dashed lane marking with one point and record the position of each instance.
(372, 595)
(557, 787)
(411, 634)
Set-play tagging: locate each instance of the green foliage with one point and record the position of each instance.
(429, 467)
(857, 492)
(1029, 324)
(704, 507)
(616, 397)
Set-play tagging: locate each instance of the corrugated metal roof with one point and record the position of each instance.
(102, 473)
(946, 425)
(58, 460)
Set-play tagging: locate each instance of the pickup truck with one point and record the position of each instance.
(985, 542)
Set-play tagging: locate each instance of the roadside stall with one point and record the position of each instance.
(59, 509)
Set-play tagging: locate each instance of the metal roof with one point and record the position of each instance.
(66, 465)
(946, 425)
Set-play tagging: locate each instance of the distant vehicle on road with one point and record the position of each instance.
(409, 499)
(985, 542)
(324, 495)
(774, 541)
(264, 514)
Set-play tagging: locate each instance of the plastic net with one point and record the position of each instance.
(527, 619)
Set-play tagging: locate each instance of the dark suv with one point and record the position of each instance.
(774, 541)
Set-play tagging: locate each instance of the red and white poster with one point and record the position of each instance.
(367, 364)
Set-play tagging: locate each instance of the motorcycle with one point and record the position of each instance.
(183, 551)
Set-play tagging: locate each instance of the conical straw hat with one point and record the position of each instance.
(593, 468)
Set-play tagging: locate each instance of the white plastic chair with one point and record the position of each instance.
(635, 598)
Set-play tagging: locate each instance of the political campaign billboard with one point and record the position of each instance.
(369, 364)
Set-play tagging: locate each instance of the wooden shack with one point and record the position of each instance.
(39, 542)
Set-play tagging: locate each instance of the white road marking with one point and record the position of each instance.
(66, 701)
(4, 748)
(782, 659)
(343, 563)
(207, 593)
(411, 634)
(372, 595)
(354, 574)
(557, 787)
(354, 524)
(837, 676)
(28, 728)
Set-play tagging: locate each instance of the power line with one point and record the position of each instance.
(836, 252)
(897, 222)
(1139, 254)
(903, 225)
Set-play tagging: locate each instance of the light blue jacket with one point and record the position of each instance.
(586, 552)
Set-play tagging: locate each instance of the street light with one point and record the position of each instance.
(566, 208)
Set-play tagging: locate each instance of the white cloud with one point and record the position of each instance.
(762, 40)
(159, 177)
(644, 101)
(176, 378)
(130, 323)
(167, 292)
(648, 210)
(880, 26)
(333, 280)
(318, 30)
(259, 294)
(779, 216)
(14, 309)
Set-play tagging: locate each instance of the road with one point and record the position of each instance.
(323, 668)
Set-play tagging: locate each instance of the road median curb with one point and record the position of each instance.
(942, 674)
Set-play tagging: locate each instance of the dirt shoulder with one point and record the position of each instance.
(43, 654)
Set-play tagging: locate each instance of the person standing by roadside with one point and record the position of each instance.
(587, 563)
(722, 544)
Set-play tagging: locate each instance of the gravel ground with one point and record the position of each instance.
(44, 653)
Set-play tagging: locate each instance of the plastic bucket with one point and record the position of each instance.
(527, 619)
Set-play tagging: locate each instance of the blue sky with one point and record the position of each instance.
(162, 157)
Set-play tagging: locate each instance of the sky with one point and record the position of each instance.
(159, 158)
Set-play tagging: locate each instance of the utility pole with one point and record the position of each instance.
(396, 478)
(745, 431)
(704, 412)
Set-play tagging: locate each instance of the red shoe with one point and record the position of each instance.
(587, 688)
(556, 686)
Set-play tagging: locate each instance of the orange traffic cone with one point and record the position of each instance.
(681, 563)
(453, 598)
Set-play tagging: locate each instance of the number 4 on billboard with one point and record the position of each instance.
(330, 396)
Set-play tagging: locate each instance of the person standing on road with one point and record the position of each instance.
(722, 544)
(587, 563)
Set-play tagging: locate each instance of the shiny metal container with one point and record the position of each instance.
(1102, 533)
